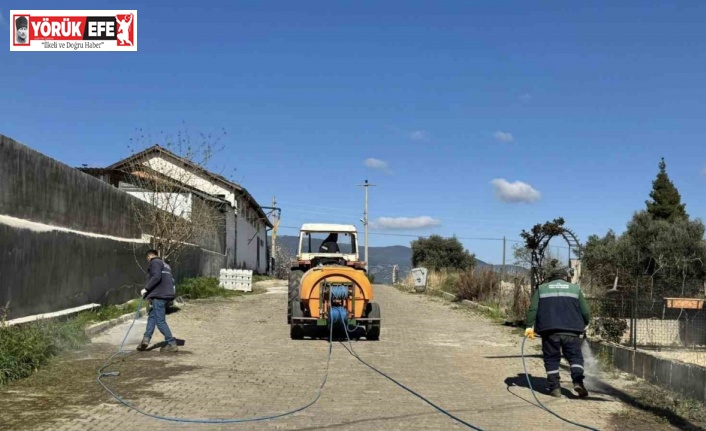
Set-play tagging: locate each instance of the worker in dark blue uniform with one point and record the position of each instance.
(559, 313)
(159, 291)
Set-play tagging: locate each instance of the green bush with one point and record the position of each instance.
(450, 283)
(610, 329)
(25, 348)
(202, 287)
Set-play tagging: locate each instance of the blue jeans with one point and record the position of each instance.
(157, 317)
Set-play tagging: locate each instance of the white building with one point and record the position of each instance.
(246, 223)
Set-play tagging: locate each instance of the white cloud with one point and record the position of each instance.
(420, 222)
(514, 192)
(376, 163)
(418, 135)
(503, 137)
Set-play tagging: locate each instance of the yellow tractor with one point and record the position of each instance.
(329, 284)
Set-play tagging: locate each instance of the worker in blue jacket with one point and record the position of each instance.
(559, 313)
(160, 290)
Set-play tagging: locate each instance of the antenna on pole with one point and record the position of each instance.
(365, 224)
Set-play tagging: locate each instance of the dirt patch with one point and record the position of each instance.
(654, 408)
(635, 420)
(68, 385)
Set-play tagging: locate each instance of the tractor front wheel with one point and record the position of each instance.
(372, 329)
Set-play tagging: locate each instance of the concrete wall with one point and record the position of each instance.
(68, 239)
(680, 377)
(38, 188)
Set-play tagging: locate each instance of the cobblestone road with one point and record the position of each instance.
(240, 362)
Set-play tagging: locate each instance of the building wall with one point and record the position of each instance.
(252, 236)
(245, 252)
(191, 179)
(68, 239)
(231, 237)
(178, 204)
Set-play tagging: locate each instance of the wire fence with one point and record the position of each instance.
(667, 323)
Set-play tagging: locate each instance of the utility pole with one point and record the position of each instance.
(502, 273)
(365, 225)
(275, 224)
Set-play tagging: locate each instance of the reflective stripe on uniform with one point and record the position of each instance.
(553, 372)
(577, 366)
(558, 294)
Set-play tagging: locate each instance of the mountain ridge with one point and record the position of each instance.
(382, 258)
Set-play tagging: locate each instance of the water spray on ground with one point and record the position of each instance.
(592, 367)
(116, 334)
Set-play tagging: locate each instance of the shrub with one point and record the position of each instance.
(483, 285)
(520, 299)
(25, 348)
(610, 329)
(202, 287)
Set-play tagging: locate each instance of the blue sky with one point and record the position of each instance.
(578, 103)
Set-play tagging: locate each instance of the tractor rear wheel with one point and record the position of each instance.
(295, 279)
(296, 330)
(372, 329)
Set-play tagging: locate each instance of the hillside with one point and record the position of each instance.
(382, 259)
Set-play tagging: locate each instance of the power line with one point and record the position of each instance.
(467, 219)
(460, 225)
(426, 236)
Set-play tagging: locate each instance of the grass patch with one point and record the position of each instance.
(202, 287)
(107, 312)
(26, 348)
(661, 399)
(493, 313)
(660, 409)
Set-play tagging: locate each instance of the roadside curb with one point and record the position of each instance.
(99, 327)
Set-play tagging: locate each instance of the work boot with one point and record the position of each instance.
(143, 344)
(556, 392)
(580, 389)
(169, 348)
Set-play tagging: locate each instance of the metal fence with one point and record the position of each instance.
(667, 323)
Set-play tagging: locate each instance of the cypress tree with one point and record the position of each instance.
(666, 200)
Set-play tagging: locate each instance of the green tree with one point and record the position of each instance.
(666, 200)
(608, 260)
(665, 257)
(662, 249)
(436, 252)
